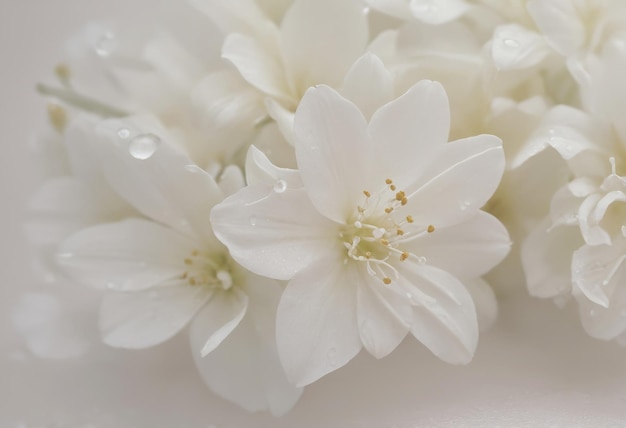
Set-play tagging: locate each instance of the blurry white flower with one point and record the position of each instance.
(432, 12)
(167, 270)
(376, 233)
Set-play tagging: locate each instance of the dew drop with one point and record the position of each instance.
(358, 224)
(605, 282)
(143, 146)
(511, 43)
(252, 220)
(409, 296)
(464, 205)
(123, 133)
(365, 10)
(280, 186)
(106, 44)
(421, 260)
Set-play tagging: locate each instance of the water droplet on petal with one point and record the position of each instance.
(123, 133)
(511, 43)
(465, 205)
(421, 260)
(252, 220)
(106, 44)
(143, 146)
(280, 186)
(365, 10)
(605, 282)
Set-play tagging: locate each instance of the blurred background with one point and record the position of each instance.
(535, 368)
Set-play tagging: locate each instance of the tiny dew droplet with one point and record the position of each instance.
(421, 260)
(143, 146)
(605, 282)
(123, 133)
(106, 44)
(252, 220)
(511, 43)
(280, 186)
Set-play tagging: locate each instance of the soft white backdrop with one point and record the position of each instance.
(536, 368)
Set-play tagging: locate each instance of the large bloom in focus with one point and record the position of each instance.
(166, 270)
(377, 232)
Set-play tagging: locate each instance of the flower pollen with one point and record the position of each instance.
(375, 237)
(203, 270)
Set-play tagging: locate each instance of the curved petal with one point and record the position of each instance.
(321, 39)
(407, 130)
(133, 254)
(368, 84)
(561, 24)
(140, 319)
(316, 323)
(283, 117)
(485, 301)
(273, 234)
(594, 268)
(438, 12)
(217, 319)
(515, 47)
(333, 152)
(444, 316)
(231, 180)
(245, 368)
(466, 250)
(261, 68)
(260, 170)
(384, 315)
(165, 186)
(458, 181)
(547, 259)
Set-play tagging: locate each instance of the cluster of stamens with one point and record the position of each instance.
(376, 237)
(202, 270)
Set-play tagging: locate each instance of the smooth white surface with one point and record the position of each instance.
(536, 368)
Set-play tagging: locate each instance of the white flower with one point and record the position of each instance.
(376, 233)
(316, 42)
(166, 270)
(432, 12)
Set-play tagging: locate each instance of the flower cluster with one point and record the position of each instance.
(291, 182)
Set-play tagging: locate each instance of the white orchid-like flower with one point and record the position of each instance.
(376, 231)
(166, 270)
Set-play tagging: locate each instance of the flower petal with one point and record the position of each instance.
(260, 170)
(368, 84)
(245, 368)
(546, 258)
(407, 130)
(333, 152)
(166, 186)
(316, 324)
(217, 319)
(273, 234)
(260, 65)
(384, 315)
(444, 316)
(485, 301)
(321, 39)
(467, 250)
(132, 254)
(515, 47)
(457, 182)
(438, 12)
(140, 319)
(594, 268)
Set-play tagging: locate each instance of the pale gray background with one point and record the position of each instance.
(536, 368)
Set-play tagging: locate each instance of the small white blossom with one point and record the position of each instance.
(376, 233)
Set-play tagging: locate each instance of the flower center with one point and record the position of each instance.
(204, 269)
(377, 233)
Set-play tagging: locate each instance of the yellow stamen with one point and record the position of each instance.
(409, 219)
(392, 187)
(188, 261)
(388, 181)
(430, 229)
(57, 116)
(384, 242)
(400, 232)
(404, 201)
(388, 210)
(387, 280)
(404, 256)
(366, 193)
(400, 195)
